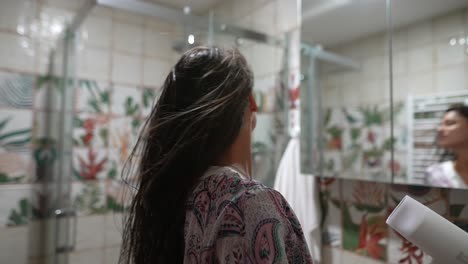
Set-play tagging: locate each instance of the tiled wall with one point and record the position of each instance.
(425, 62)
(122, 60)
(354, 229)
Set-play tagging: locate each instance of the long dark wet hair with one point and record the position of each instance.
(462, 110)
(197, 118)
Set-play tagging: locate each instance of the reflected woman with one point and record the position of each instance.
(453, 138)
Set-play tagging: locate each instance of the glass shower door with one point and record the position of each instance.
(53, 219)
(267, 57)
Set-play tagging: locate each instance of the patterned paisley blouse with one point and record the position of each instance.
(231, 219)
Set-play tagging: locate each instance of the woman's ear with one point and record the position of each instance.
(253, 104)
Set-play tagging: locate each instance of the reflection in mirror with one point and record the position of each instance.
(345, 102)
(363, 127)
(449, 166)
(430, 46)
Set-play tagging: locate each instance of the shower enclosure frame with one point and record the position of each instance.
(311, 147)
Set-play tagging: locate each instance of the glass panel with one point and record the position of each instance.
(53, 125)
(268, 65)
(345, 130)
(429, 68)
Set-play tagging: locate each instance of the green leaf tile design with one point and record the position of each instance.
(20, 215)
(89, 199)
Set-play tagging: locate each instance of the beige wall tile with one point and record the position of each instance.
(158, 43)
(14, 245)
(95, 31)
(112, 255)
(94, 64)
(126, 69)
(87, 256)
(128, 38)
(447, 54)
(420, 59)
(420, 34)
(450, 79)
(90, 233)
(113, 229)
(17, 52)
(155, 72)
(448, 25)
(16, 15)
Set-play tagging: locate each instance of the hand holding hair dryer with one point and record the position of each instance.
(433, 234)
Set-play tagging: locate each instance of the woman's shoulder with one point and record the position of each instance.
(441, 174)
(223, 185)
(220, 181)
(440, 168)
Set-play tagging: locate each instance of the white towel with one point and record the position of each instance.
(301, 191)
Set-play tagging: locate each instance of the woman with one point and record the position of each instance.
(196, 202)
(453, 138)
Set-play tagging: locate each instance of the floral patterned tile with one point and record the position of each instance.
(401, 250)
(89, 163)
(365, 193)
(352, 117)
(434, 198)
(334, 129)
(119, 168)
(352, 138)
(126, 101)
(118, 195)
(364, 213)
(15, 145)
(331, 205)
(14, 205)
(149, 96)
(332, 163)
(361, 135)
(48, 94)
(376, 153)
(16, 90)
(91, 130)
(458, 203)
(398, 165)
(16, 167)
(351, 164)
(89, 197)
(115, 164)
(45, 141)
(124, 134)
(92, 97)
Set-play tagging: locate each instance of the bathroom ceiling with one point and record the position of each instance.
(330, 22)
(197, 6)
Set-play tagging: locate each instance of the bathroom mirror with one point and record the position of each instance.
(345, 92)
(430, 48)
(375, 116)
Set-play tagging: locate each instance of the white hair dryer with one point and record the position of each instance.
(433, 234)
